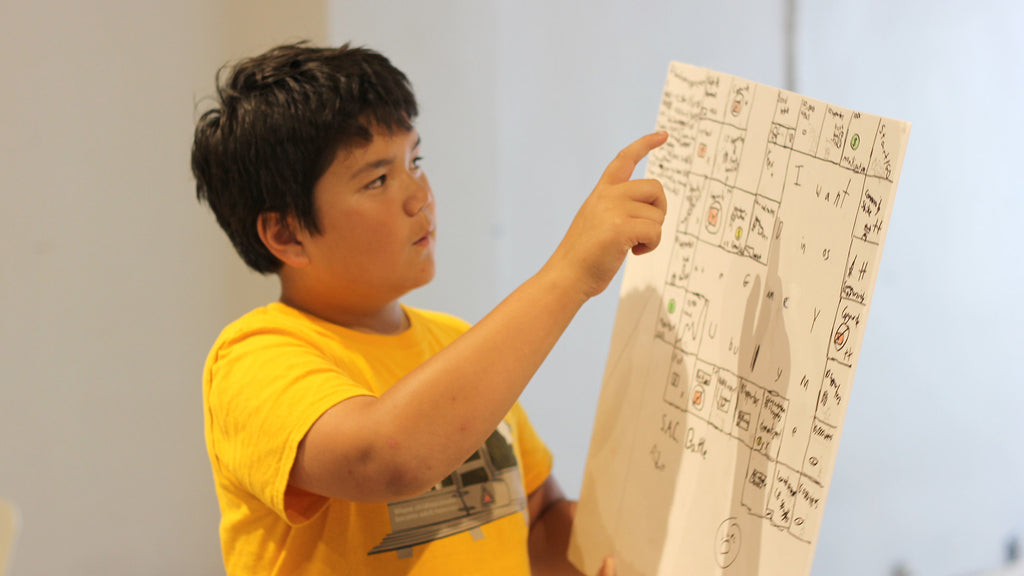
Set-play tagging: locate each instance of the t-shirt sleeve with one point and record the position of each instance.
(266, 390)
(535, 457)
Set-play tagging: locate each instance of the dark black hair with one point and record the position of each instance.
(279, 121)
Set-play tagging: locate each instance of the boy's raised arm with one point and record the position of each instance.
(430, 421)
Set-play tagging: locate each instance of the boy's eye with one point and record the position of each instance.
(416, 162)
(378, 182)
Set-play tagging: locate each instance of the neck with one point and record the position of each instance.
(375, 318)
(390, 319)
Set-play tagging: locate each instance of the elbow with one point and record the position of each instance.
(355, 452)
(390, 472)
(407, 478)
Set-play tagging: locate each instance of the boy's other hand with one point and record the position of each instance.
(619, 215)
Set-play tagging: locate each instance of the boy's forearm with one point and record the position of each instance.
(446, 408)
(549, 541)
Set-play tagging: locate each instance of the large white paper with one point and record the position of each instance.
(735, 342)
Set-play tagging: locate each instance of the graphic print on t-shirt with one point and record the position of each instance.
(486, 487)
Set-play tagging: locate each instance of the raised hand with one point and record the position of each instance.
(619, 215)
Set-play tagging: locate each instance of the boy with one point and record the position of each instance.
(350, 434)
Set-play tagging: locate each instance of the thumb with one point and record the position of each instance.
(607, 567)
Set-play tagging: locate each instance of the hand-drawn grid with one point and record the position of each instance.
(707, 116)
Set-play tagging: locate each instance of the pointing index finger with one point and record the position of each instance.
(622, 166)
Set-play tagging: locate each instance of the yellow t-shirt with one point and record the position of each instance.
(269, 376)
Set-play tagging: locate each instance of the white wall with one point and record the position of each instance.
(930, 471)
(113, 280)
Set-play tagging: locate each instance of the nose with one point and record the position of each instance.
(419, 196)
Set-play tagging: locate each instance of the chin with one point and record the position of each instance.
(424, 278)
(428, 271)
(427, 279)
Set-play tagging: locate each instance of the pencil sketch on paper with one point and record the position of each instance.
(735, 342)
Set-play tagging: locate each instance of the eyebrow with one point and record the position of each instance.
(383, 162)
(372, 166)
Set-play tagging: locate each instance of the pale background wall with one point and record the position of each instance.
(931, 466)
(113, 282)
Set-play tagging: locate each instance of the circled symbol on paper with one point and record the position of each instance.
(698, 397)
(737, 106)
(727, 543)
(713, 213)
(842, 335)
(855, 141)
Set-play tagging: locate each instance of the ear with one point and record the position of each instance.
(281, 236)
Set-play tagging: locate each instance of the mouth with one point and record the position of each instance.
(426, 239)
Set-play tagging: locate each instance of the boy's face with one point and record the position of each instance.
(377, 223)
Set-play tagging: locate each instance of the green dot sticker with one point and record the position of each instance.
(855, 141)
(672, 306)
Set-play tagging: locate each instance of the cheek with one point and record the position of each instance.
(373, 237)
